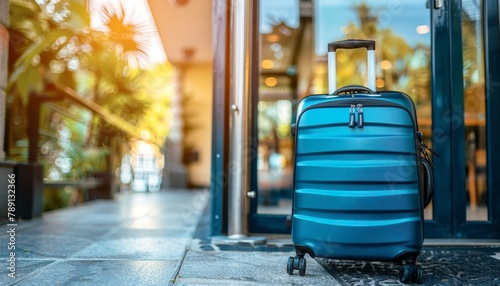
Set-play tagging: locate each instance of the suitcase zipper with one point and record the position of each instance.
(352, 118)
(356, 109)
(360, 115)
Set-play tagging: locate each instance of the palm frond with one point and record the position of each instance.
(79, 18)
(130, 34)
(37, 47)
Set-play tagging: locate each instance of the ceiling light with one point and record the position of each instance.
(423, 29)
(273, 38)
(380, 83)
(267, 64)
(271, 81)
(385, 65)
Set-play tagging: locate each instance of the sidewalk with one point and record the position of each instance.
(137, 239)
(163, 239)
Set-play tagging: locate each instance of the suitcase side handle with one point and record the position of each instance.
(349, 89)
(428, 182)
(351, 44)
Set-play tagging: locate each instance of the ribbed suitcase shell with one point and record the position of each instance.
(357, 191)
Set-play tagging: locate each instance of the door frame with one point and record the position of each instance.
(440, 226)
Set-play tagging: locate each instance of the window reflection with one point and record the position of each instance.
(280, 34)
(293, 64)
(402, 33)
(474, 109)
(401, 30)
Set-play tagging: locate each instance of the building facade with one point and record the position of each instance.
(444, 54)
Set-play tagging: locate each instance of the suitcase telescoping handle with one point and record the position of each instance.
(350, 44)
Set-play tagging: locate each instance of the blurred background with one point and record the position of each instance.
(117, 96)
(92, 98)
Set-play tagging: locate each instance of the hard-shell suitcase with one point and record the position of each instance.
(360, 183)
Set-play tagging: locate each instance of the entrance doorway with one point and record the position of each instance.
(464, 59)
(443, 62)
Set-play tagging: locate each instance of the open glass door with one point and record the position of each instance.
(281, 33)
(293, 64)
(473, 119)
(443, 54)
(402, 31)
(464, 58)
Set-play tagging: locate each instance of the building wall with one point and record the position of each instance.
(197, 116)
(4, 49)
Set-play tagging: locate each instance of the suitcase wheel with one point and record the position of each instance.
(410, 272)
(297, 262)
(289, 266)
(302, 266)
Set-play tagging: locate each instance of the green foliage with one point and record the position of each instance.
(52, 41)
(413, 79)
(158, 93)
(87, 160)
(41, 31)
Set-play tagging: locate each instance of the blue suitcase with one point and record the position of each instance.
(360, 183)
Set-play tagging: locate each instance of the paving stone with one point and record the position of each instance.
(108, 272)
(147, 248)
(177, 233)
(23, 268)
(247, 268)
(164, 222)
(48, 242)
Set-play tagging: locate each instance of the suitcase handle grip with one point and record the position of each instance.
(351, 44)
(353, 88)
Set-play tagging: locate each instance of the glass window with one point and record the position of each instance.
(474, 109)
(280, 34)
(402, 34)
(293, 64)
(401, 30)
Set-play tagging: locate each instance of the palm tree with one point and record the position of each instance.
(55, 42)
(44, 43)
(119, 44)
(42, 48)
(127, 34)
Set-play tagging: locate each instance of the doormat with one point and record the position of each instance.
(442, 265)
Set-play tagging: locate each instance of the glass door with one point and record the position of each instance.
(443, 53)
(281, 40)
(293, 63)
(465, 58)
(475, 190)
(402, 31)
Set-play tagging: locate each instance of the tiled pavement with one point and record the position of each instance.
(162, 239)
(137, 239)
